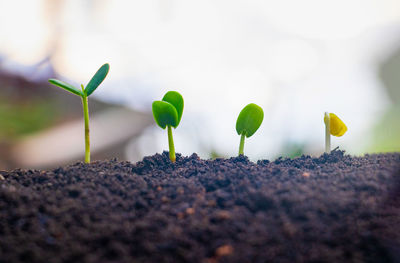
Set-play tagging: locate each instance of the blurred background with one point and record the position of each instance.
(296, 59)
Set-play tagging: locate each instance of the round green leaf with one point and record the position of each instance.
(97, 79)
(176, 100)
(165, 114)
(66, 86)
(249, 120)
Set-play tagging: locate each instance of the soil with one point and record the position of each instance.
(334, 208)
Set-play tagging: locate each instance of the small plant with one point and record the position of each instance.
(96, 80)
(248, 122)
(168, 113)
(334, 126)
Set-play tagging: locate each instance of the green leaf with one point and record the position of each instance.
(249, 120)
(165, 114)
(176, 100)
(97, 79)
(66, 86)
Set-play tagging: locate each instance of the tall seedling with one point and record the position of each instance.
(84, 93)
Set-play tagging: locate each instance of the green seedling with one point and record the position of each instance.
(84, 93)
(248, 122)
(168, 113)
(333, 126)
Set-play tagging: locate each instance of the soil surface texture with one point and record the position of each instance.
(334, 208)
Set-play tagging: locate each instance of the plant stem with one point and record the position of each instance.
(241, 145)
(171, 145)
(327, 133)
(87, 138)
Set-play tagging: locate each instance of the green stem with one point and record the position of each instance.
(241, 145)
(87, 138)
(327, 133)
(171, 145)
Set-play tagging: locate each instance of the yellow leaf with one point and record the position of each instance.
(337, 126)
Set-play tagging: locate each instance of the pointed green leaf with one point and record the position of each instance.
(97, 79)
(249, 120)
(66, 86)
(165, 114)
(176, 100)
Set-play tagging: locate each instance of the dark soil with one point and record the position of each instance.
(335, 208)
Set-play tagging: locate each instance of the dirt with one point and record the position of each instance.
(334, 208)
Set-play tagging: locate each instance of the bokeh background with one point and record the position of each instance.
(296, 59)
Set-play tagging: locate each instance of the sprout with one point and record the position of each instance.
(168, 113)
(248, 122)
(334, 126)
(96, 80)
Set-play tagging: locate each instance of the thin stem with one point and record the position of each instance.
(171, 145)
(86, 118)
(241, 145)
(327, 133)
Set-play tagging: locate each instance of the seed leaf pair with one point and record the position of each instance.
(96, 80)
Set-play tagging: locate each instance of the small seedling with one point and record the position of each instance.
(168, 113)
(248, 122)
(334, 126)
(84, 93)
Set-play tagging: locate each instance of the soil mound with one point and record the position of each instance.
(335, 208)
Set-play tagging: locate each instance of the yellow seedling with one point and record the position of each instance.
(334, 126)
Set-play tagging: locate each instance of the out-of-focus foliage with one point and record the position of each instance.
(390, 76)
(213, 154)
(292, 150)
(24, 117)
(386, 136)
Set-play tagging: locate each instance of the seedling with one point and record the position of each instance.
(248, 122)
(168, 113)
(84, 93)
(334, 126)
